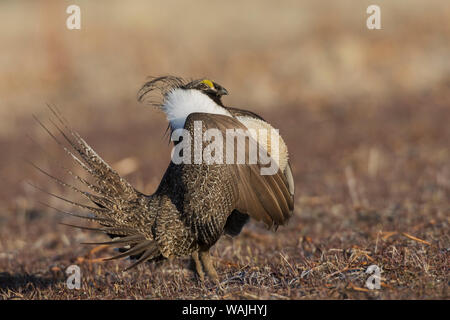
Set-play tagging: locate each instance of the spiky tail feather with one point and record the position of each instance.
(117, 202)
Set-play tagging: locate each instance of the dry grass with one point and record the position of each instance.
(365, 115)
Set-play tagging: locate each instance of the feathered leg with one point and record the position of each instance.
(208, 266)
(198, 266)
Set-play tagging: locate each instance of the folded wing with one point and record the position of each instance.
(266, 198)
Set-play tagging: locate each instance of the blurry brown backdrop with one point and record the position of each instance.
(365, 114)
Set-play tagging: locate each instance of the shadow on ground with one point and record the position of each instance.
(26, 283)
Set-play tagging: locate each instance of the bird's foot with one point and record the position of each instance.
(205, 258)
(198, 266)
(202, 262)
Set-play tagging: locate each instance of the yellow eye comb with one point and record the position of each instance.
(208, 83)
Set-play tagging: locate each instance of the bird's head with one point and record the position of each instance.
(158, 87)
(181, 97)
(212, 89)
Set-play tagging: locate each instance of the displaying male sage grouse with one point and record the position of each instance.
(196, 201)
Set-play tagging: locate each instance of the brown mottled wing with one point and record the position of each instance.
(264, 197)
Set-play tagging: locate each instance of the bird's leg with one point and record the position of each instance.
(198, 266)
(208, 266)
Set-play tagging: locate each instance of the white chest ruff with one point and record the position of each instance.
(180, 103)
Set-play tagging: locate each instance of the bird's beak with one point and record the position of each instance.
(222, 92)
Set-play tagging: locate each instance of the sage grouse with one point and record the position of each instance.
(196, 202)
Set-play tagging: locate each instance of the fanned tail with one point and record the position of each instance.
(123, 212)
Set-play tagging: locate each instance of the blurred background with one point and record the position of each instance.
(365, 113)
(294, 55)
